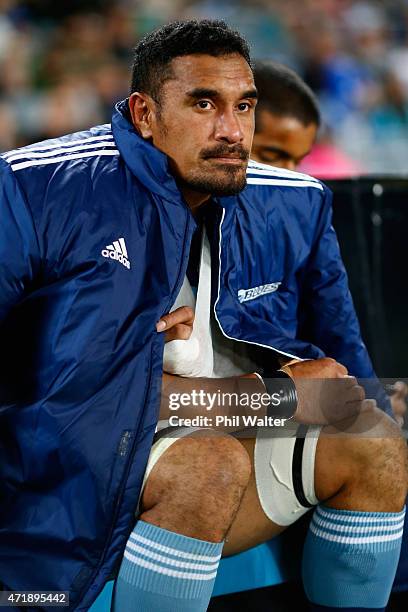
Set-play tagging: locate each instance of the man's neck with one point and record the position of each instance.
(194, 199)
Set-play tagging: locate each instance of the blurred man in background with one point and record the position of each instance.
(287, 117)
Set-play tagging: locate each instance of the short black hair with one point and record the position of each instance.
(283, 93)
(154, 53)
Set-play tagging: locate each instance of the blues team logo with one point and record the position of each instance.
(244, 295)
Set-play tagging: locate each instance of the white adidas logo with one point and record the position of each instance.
(117, 251)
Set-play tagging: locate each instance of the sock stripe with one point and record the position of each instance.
(165, 570)
(173, 551)
(350, 558)
(355, 540)
(363, 517)
(369, 529)
(134, 548)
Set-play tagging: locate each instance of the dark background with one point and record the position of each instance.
(371, 219)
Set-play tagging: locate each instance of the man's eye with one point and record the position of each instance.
(204, 104)
(269, 156)
(244, 106)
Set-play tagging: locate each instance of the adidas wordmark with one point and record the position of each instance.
(118, 251)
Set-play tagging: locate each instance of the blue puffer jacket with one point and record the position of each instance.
(94, 243)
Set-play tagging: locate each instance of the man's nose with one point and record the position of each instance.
(228, 128)
(288, 164)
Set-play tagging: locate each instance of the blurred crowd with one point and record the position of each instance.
(63, 64)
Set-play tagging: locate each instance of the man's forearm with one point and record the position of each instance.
(236, 396)
(324, 394)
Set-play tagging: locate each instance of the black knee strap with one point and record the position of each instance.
(297, 461)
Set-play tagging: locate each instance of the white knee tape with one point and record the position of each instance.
(284, 471)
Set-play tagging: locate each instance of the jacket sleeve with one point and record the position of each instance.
(326, 310)
(19, 249)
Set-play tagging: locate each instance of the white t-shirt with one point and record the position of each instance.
(207, 353)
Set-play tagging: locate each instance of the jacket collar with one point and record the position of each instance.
(145, 161)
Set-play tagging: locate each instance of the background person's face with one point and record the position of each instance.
(281, 141)
(206, 122)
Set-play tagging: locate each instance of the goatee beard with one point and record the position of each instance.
(217, 186)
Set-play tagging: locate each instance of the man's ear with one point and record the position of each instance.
(142, 113)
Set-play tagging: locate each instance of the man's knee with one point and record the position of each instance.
(365, 463)
(197, 485)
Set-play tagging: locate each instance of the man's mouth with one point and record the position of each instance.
(228, 159)
(237, 157)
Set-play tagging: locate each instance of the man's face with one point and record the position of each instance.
(205, 122)
(281, 141)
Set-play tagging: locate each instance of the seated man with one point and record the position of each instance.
(95, 239)
(206, 492)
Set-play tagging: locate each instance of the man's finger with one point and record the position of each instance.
(332, 366)
(342, 370)
(400, 389)
(348, 381)
(183, 314)
(356, 394)
(179, 332)
(368, 405)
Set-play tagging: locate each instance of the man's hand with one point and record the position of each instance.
(178, 324)
(326, 394)
(398, 401)
(325, 367)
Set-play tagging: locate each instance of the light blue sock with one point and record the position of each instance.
(350, 558)
(163, 571)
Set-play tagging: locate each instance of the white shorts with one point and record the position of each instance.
(284, 467)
